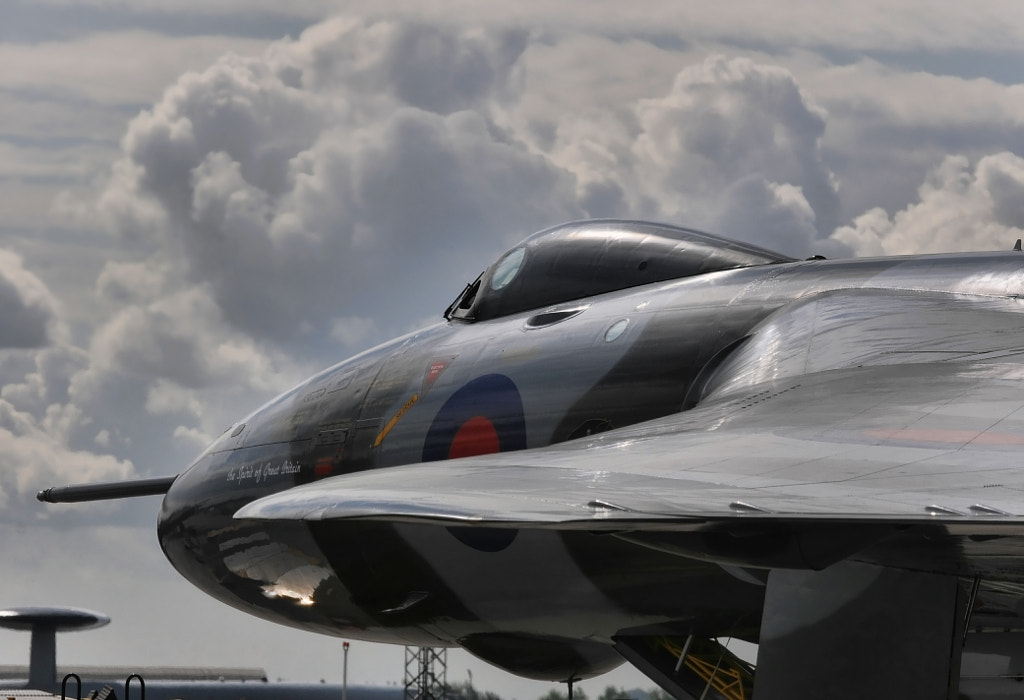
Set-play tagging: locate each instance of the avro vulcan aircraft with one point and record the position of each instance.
(629, 440)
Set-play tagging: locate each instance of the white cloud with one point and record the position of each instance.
(960, 208)
(887, 126)
(34, 455)
(166, 397)
(127, 282)
(180, 338)
(46, 381)
(193, 437)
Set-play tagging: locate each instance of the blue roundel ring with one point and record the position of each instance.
(492, 397)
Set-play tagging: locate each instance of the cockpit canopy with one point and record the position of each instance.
(585, 258)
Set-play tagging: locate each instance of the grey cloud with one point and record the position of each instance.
(603, 200)
(237, 107)
(289, 195)
(767, 213)
(432, 70)
(162, 373)
(34, 453)
(887, 127)
(940, 25)
(881, 157)
(1003, 179)
(27, 309)
(46, 382)
(733, 146)
(34, 460)
(129, 282)
(427, 180)
(731, 119)
(88, 80)
(437, 68)
(180, 337)
(168, 398)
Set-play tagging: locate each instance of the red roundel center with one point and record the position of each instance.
(477, 436)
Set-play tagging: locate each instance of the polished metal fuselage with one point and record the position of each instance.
(458, 389)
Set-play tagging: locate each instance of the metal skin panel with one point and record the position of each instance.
(863, 410)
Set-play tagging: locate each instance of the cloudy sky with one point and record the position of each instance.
(201, 205)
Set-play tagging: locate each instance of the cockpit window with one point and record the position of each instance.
(507, 268)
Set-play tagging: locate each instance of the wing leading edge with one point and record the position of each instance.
(945, 448)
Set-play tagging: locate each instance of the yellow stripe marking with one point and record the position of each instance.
(393, 421)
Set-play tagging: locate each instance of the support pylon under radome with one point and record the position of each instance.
(426, 672)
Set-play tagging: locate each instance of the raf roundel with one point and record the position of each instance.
(483, 416)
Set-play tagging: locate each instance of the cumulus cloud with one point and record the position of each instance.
(775, 215)
(194, 436)
(289, 185)
(374, 64)
(888, 126)
(35, 454)
(160, 357)
(180, 338)
(732, 120)
(166, 397)
(45, 381)
(734, 146)
(131, 282)
(960, 208)
(43, 430)
(27, 309)
(102, 438)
